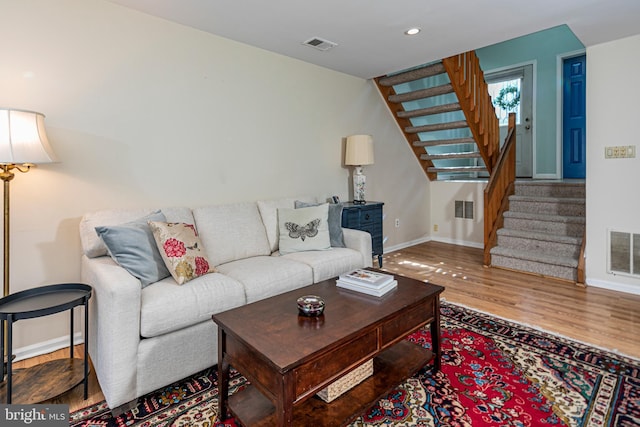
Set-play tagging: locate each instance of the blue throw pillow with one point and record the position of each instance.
(335, 222)
(134, 248)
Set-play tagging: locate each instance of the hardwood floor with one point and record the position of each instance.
(593, 315)
(596, 316)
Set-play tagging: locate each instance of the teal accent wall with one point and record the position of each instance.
(543, 47)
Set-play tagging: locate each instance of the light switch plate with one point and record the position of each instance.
(620, 152)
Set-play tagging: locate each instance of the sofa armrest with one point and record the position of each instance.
(360, 241)
(114, 328)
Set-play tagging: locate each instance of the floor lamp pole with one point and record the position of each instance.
(6, 175)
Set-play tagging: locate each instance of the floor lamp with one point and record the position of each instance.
(23, 144)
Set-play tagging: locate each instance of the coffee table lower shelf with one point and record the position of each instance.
(391, 367)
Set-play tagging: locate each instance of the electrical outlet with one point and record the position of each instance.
(397, 222)
(435, 227)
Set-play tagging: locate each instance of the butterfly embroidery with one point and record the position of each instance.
(302, 231)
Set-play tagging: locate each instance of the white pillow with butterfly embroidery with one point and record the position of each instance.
(304, 229)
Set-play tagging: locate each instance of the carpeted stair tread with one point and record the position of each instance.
(449, 156)
(551, 189)
(437, 109)
(534, 256)
(545, 237)
(459, 124)
(421, 94)
(412, 75)
(436, 142)
(546, 199)
(457, 169)
(543, 217)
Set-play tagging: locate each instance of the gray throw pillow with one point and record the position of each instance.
(134, 248)
(335, 222)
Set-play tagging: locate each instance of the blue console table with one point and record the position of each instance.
(366, 217)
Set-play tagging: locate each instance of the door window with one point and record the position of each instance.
(506, 99)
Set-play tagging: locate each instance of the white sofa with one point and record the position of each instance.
(143, 338)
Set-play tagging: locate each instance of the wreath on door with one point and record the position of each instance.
(508, 98)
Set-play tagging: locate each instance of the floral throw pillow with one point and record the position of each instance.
(181, 250)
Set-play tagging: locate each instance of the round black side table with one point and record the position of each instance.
(49, 379)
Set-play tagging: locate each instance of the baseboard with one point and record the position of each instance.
(45, 347)
(406, 244)
(619, 287)
(459, 242)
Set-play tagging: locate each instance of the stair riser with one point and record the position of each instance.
(548, 208)
(549, 270)
(551, 190)
(558, 228)
(531, 245)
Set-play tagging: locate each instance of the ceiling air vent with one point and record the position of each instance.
(320, 44)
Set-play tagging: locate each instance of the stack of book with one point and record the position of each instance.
(367, 282)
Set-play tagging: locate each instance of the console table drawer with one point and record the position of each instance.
(401, 326)
(329, 366)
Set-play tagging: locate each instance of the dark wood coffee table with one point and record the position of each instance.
(289, 358)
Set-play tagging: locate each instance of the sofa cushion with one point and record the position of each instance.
(266, 276)
(166, 307)
(181, 250)
(92, 244)
(231, 232)
(335, 222)
(304, 229)
(269, 214)
(133, 247)
(328, 264)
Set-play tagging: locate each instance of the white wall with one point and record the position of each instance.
(613, 198)
(459, 231)
(144, 112)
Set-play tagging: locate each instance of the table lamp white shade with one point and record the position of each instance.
(23, 138)
(359, 152)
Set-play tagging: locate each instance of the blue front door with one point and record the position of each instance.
(574, 138)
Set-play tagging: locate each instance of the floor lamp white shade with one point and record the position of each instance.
(23, 144)
(359, 152)
(23, 138)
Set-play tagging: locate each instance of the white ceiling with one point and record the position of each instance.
(370, 33)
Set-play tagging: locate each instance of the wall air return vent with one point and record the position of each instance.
(624, 253)
(463, 209)
(320, 44)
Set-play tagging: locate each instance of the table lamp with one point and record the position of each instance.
(359, 152)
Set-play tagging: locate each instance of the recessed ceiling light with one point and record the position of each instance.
(412, 31)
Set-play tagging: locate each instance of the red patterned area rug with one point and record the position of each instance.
(494, 373)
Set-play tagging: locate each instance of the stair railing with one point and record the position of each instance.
(581, 276)
(468, 83)
(501, 185)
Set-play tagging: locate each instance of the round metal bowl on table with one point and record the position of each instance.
(310, 305)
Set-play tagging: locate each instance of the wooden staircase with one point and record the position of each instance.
(446, 116)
